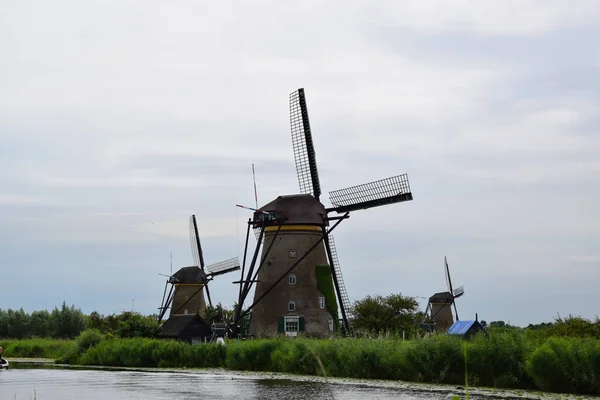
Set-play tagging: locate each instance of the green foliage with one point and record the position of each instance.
(37, 348)
(88, 339)
(217, 313)
(67, 322)
(325, 286)
(566, 365)
(561, 356)
(64, 323)
(141, 352)
(135, 325)
(498, 360)
(128, 324)
(509, 359)
(393, 314)
(573, 326)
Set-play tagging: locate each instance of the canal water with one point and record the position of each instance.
(78, 384)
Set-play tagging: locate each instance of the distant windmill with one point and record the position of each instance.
(438, 314)
(298, 275)
(186, 294)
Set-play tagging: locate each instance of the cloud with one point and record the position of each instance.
(513, 17)
(118, 120)
(586, 259)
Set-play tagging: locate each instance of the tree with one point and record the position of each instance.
(133, 324)
(217, 313)
(66, 323)
(385, 315)
(39, 325)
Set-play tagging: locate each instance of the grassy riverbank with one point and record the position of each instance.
(38, 348)
(504, 360)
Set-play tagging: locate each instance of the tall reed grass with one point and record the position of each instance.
(37, 348)
(504, 360)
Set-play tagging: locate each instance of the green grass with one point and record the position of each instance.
(37, 348)
(503, 360)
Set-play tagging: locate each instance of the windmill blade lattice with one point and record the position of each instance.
(338, 272)
(391, 190)
(304, 151)
(197, 254)
(224, 267)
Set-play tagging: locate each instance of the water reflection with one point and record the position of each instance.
(55, 384)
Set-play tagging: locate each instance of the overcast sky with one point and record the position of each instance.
(121, 118)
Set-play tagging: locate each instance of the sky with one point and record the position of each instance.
(121, 118)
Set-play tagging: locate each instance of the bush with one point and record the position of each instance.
(566, 365)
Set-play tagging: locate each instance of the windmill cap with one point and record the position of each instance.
(441, 297)
(190, 275)
(297, 209)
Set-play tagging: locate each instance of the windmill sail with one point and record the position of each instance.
(391, 190)
(304, 151)
(447, 273)
(450, 290)
(459, 291)
(197, 254)
(223, 267)
(345, 301)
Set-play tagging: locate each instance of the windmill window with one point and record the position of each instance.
(292, 306)
(185, 311)
(292, 253)
(292, 279)
(322, 303)
(330, 324)
(292, 325)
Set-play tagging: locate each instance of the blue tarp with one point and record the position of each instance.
(461, 327)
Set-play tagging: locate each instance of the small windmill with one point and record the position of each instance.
(298, 275)
(439, 313)
(186, 294)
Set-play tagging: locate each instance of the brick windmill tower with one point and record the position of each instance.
(298, 280)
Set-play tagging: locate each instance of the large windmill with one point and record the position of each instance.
(298, 281)
(187, 285)
(439, 308)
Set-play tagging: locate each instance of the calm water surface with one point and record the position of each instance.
(65, 384)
